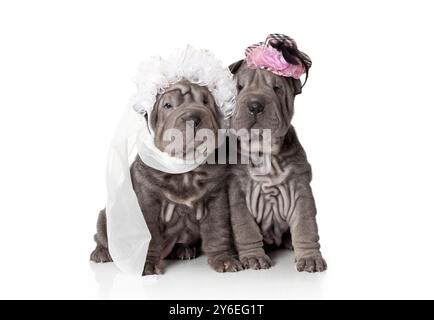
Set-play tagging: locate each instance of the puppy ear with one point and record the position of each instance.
(296, 85)
(153, 117)
(235, 66)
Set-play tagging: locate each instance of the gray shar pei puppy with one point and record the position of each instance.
(184, 210)
(278, 207)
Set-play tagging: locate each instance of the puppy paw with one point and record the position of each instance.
(311, 264)
(151, 269)
(257, 262)
(225, 264)
(100, 255)
(184, 253)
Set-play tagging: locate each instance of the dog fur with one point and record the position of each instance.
(278, 207)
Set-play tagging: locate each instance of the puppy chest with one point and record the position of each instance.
(271, 199)
(269, 203)
(188, 189)
(172, 212)
(182, 222)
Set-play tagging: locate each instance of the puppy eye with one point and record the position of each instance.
(239, 87)
(167, 105)
(277, 89)
(205, 100)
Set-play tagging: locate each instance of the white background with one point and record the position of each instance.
(365, 119)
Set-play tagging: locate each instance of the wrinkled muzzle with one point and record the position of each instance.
(258, 108)
(187, 129)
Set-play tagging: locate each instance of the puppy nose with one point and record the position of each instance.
(255, 107)
(195, 118)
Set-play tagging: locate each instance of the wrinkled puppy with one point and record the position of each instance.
(184, 210)
(278, 205)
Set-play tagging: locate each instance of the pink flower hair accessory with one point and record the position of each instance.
(280, 55)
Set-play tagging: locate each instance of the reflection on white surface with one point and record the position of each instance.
(349, 277)
(194, 279)
(362, 271)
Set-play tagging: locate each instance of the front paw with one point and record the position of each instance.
(151, 269)
(184, 253)
(100, 255)
(225, 264)
(311, 264)
(256, 262)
